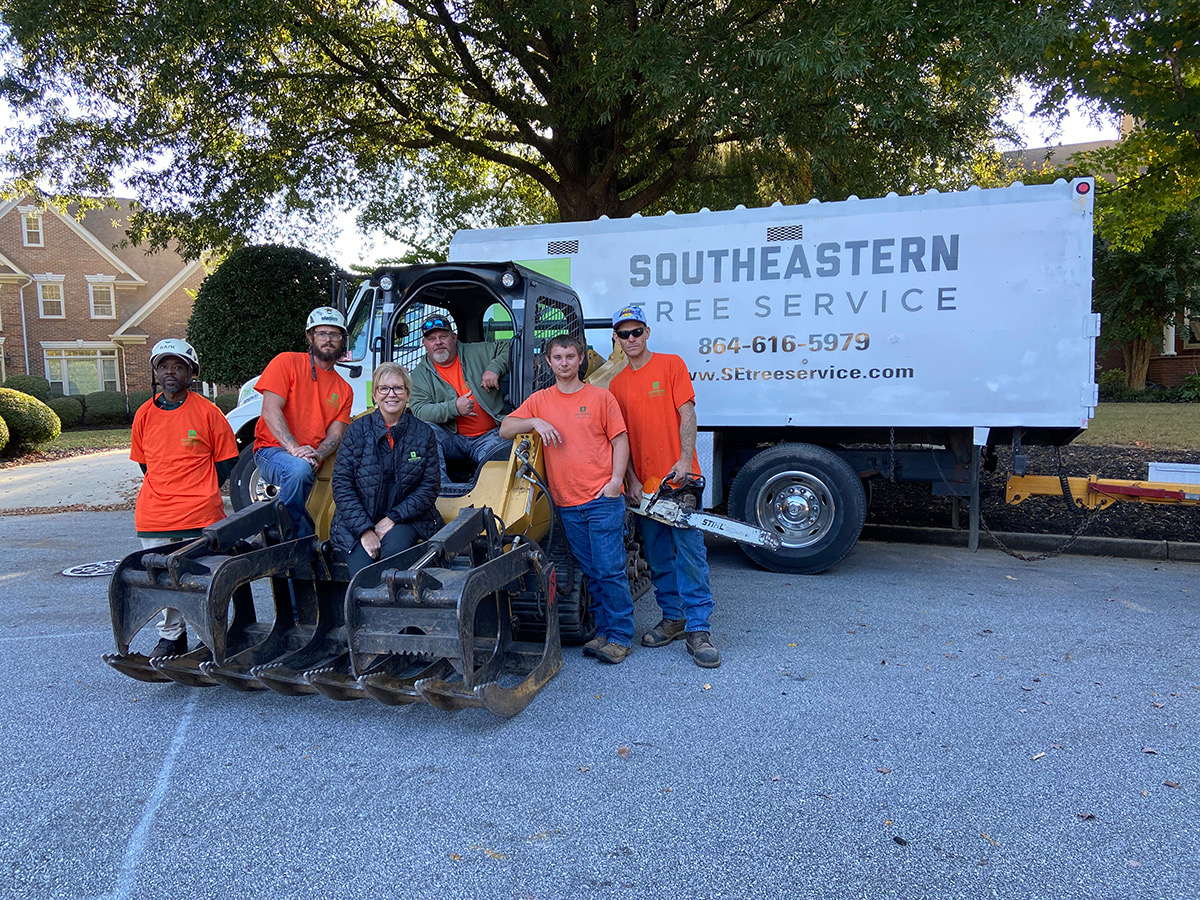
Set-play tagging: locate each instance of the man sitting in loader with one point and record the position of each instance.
(456, 389)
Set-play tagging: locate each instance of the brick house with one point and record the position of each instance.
(77, 309)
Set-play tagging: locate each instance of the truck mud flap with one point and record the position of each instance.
(440, 630)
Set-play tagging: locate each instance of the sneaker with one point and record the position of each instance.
(590, 648)
(171, 646)
(664, 632)
(700, 645)
(613, 653)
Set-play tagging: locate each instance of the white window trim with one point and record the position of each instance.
(39, 213)
(1188, 315)
(108, 280)
(106, 346)
(47, 278)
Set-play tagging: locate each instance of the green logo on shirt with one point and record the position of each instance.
(191, 438)
(582, 414)
(333, 399)
(655, 391)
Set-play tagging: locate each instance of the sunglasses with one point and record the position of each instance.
(632, 332)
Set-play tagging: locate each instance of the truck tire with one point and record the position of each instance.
(245, 486)
(809, 497)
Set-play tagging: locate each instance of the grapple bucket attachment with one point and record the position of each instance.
(440, 629)
(208, 580)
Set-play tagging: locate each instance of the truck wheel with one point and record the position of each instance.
(245, 485)
(809, 497)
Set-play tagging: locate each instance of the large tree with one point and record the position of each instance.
(1138, 292)
(218, 114)
(1141, 60)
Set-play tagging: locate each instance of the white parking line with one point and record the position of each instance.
(127, 877)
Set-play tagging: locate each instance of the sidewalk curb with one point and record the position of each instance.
(1181, 551)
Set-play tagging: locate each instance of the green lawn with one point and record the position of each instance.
(90, 439)
(1164, 426)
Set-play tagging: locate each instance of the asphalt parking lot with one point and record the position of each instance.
(921, 722)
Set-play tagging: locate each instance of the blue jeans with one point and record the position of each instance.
(596, 532)
(295, 478)
(477, 449)
(679, 571)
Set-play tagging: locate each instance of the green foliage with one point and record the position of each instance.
(1112, 386)
(105, 409)
(137, 399)
(1137, 293)
(225, 402)
(69, 411)
(1141, 60)
(3, 435)
(272, 115)
(254, 306)
(33, 385)
(1188, 391)
(30, 421)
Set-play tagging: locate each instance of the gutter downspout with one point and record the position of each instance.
(24, 330)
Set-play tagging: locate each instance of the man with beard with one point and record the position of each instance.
(456, 389)
(305, 409)
(186, 449)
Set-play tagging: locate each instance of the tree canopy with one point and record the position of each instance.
(254, 306)
(1142, 60)
(1138, 292)
(220, 115)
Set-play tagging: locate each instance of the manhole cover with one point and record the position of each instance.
(90, 570)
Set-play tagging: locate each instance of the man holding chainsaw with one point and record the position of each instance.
(656, 398)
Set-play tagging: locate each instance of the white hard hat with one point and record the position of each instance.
(326, 315)
(174, 347)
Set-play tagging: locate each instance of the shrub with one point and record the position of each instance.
(3, 435)
(68, 409)
(225, 402)
(105, 408)
(137, 399)
(29, 420)
(1188, 391)
(33, 385)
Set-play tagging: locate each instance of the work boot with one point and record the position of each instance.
(612, 653)
(700, 645)
(171, 646)
(590, 648)
(664, 632)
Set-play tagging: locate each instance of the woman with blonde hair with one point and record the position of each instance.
(385, 477)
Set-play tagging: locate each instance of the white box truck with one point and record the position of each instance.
(832, 344)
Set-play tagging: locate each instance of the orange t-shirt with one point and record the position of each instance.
(468, 426)
(650, 398)
(588, 420)
(180, 448)
(309, 407)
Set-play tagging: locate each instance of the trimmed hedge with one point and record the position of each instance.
(3, 435)
(29, 420)
(33, 385)
(137, 399)
(69, 411)
(225, 402)
(105, 408)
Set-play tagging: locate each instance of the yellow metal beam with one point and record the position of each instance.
(1094, 492)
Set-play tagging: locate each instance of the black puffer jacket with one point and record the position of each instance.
(359, 477)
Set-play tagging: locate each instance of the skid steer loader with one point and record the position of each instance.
(473, 617)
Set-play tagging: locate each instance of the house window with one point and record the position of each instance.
(81, 371)
(31, 227)
(50, 300)
(1191, 329)
(103, 304)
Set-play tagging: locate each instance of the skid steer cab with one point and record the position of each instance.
(471, 618)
